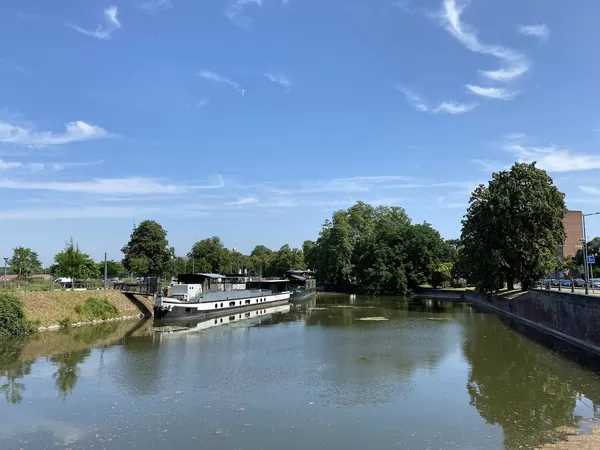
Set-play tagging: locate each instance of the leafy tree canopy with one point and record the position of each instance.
(24, 263)
(147, 252)
(73, 263)
(512, 229)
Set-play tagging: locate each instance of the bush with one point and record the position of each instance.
(65, 322)
(12, 317)
(458, 284)
(97, 308)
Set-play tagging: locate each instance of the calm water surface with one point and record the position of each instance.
(434, 375)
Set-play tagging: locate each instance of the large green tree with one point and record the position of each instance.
(24, 263)
(114, 269)
(73, 263)
(210, 255)
(378, 250)
(147, 252)
(512, 229)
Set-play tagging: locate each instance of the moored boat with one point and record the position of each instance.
(302, 284)
(209, 294)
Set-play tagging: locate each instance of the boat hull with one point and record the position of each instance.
(167, 308)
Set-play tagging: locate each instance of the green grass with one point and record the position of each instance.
(94, 308)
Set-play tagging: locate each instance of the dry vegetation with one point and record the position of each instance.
(52, 308)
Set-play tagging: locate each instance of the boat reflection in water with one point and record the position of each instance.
(197, 325)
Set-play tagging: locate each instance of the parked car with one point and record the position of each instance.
(579, 282)
(566, 283)
(554, 282)
(596, 283)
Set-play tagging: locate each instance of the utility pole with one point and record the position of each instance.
(105, 271)
(585, 253)
(5, 262)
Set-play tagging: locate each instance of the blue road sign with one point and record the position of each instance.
(591, 259)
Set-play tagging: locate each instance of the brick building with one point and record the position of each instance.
(573, 223)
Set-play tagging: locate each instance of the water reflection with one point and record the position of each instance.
(434, 374)
(521, 386)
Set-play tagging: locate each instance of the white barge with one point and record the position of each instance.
(210, 294)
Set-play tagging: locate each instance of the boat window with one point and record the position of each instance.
(216, 306)
(247, 302)
(231, 303)
(240, 302)
(221, 305)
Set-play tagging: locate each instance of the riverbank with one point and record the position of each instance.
(52, 310)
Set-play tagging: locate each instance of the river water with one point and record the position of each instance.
(434, 375)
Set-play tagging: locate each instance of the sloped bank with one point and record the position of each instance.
(50, 310)
(572, 317)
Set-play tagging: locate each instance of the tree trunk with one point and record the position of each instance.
(510, 283)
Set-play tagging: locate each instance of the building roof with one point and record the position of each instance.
(212, 275)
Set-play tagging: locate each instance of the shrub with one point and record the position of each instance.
(65, 322)
(97, 308)
(12, 317)
(458, 284)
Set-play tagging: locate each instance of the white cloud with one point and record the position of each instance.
(14, 67)
(454, 108)
(81, 212)
(451, 20)
(413, 99)
(235, 10)
(508, 73)
(445, 107)
(250, 200)
(341, 185)
(212, 76)
(590, 190)
(156, 6)
(102, 32)
(540, 31)
(278, 78)
(37, 167)
(492, 92)
(111, 186)
(7, 165)
(552, 158)
(75, 132)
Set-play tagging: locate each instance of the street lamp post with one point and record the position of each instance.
(585, 254)
(5, 262)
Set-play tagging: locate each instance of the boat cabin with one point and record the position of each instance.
(192, 285)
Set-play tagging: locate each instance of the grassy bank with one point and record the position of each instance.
(43, 309)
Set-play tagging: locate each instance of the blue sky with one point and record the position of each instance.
(255, 119)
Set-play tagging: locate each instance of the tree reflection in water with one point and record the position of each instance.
(514, 383)
(13, 369)
(67, 372)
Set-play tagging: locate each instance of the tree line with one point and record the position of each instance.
(510, 234)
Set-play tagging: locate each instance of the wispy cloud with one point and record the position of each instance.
(81, 212)
(590, 190)
(491, 92)
(402, 5)
(507, 73)
(454, 108)
(540, 31)
(7, 165)
(75, 131)
(551, 158)
(37, 167)
(212, 76)
(235, 13)
(102, 32)
(340, 185)
(490, 165)
(110, 186)
(250, 200)
(418, 103)
(156, 6)
(413, 99)
(13, 67)
(451, 17)
(278, 78)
